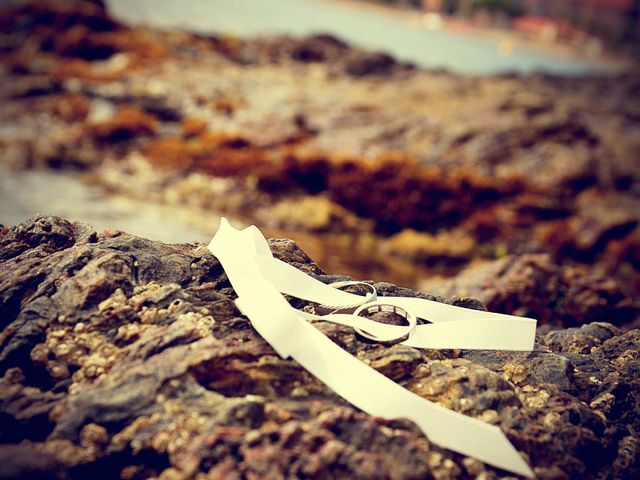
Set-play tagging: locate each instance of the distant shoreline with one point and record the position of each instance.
(456, 47)
(608, 60)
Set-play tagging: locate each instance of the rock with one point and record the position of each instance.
(341, 57)
(427, 248)
(318, 48)
(24, 461)
(125, 357)
(580, 340)
(362, 64)
(312, 214)
(387, 148)
(534, 285)
(600, 218)
(126, 124)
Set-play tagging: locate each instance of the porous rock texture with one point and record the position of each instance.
(126, 358)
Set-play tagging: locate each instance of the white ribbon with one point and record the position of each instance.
(259, 280)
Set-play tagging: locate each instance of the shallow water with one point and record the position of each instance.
(24, 194)
(458, 52)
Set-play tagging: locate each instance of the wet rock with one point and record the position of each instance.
(127, 357)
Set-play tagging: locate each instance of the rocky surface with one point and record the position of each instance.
(534, 285)
(126, 358)
(317, 136)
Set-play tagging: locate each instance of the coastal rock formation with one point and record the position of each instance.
(511, 164)
(122, 357)
(534, 285)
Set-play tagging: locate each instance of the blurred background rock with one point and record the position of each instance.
(158, 118)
